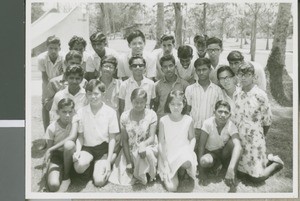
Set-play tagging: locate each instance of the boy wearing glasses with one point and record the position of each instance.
(185, 65)
(236, 59)
(136, 42)
(137, 65)
(219, 144)
(202, 96)
(214, 48)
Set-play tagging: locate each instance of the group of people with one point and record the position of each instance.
(171, 113)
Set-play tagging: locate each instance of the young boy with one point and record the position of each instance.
(236, 59)
(79, 44)
(99, 44)
(112, 86)
(137, 66)
(202, 96)
(200, 44)
(50, 63)
(185, 66)
(168, 83)
(167, 48)
(219, 144)
(136, 42)
(59, 83)
(214, 48)
(97, 129)
(74, 76)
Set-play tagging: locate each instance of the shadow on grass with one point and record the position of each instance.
(35, 152)
(249, 181)
(141, 187)
(80, 181)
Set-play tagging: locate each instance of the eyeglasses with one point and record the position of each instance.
(246, 75)
(225, 79)
(137, 65)
(213, 50)
(111, 67)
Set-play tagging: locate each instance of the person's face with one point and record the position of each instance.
(185, 62)
(235, 65)
(226, 80)
(203, 72)
(200, 48)
(66, 114)
(98, 46)
(137, 46)
(74, 61)
(222, 114)
(245, 79)
(176, 106)
(94, 97)
(108, 69)
(53, 50)
(137, 67)
(168, 68)
(74, 80)
(167, 47)
(139, 103)
(213, 51)
(78, 47)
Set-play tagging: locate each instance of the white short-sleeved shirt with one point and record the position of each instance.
(202, 102)
(93, 61)
(215, 140)
(111, 95)
(159, 53)
(124, 70)
(56, 133)
(130, 84)
(79, 100)
(46, 65)
(97, 128)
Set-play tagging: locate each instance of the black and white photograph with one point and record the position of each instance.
(161, 99)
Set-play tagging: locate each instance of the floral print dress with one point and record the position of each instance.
(137, 133)
(252, 112)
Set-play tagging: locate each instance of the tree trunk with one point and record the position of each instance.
(160, 26)
(241, 44)
(178, 24)
(204, 18)
(105, 18)
(276, 61)
(268, 36)
(253, 38)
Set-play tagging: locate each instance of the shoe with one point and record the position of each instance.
(64, 185)
(276, 159)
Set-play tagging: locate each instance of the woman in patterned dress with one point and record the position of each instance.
(252, 115)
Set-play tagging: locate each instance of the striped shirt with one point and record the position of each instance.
(202, 102)
(130, 84)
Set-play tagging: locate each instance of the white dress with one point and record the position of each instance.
(178, 148)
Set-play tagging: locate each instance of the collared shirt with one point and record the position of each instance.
(130, 84)
(111, 95)
(124, 70)
(162, 90)
(159, 54)
(93, 61)
(202, 102)
(46, 65)
(188, 74)
(79, 100)
(96, 128)
(56, 84)
(56, 133)
(215, 140)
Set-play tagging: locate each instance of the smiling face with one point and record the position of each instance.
(137, 67)
(226, 80)
(66, 113)
(94, 97)
(137, 46)
(185, 62)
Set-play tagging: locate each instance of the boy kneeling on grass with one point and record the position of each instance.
(97, 126)
(219, 144)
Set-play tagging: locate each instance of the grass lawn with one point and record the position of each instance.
(279, 142)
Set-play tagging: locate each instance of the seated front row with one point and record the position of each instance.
(95, 128)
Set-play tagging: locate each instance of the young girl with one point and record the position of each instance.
(252, 116)
(139, 154)
(176, 142)
(59, 153)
